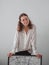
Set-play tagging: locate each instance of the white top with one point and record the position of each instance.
(23, 41)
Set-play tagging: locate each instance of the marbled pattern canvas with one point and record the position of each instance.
(24, 60)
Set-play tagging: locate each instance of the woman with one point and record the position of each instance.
(25, 38)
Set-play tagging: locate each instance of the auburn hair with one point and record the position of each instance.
(20, 25)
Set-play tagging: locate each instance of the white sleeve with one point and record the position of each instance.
(33, 42)
(15, 42)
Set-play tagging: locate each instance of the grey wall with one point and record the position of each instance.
(38, 11)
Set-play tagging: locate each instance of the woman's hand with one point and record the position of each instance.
(38, 55)
(10, 54)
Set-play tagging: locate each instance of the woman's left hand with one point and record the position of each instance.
(38, 55)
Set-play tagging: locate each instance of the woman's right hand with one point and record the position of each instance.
(10, 54)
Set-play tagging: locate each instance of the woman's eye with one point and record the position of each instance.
(26, 18)
(23, 19)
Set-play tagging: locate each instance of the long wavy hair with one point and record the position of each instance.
(20, 25)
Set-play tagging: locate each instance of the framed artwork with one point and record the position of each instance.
(24, 60)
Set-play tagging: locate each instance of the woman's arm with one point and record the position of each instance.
(33, 44)
(15, 45)
(15, 42)
(33, 41)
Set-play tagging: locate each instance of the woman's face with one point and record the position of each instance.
(25, 20)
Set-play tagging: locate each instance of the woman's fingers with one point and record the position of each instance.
(39, 55)
(10, 54)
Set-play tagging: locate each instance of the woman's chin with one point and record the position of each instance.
(25, 25)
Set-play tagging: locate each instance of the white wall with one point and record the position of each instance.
(38, 11)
